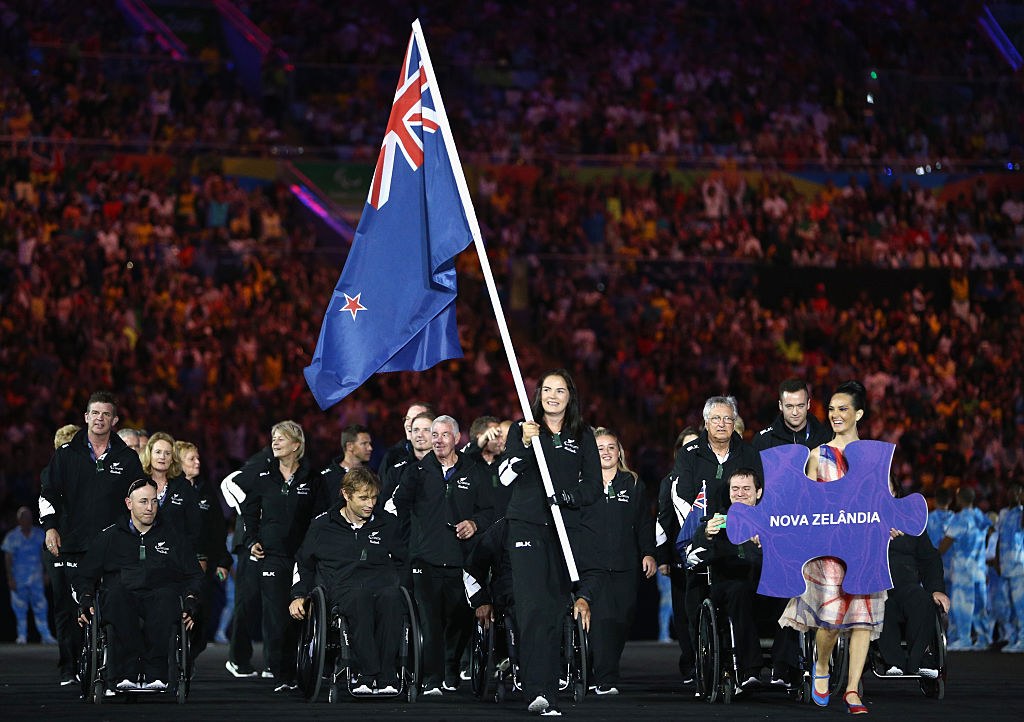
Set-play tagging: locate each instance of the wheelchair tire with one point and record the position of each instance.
(98, 692)
(500, 691)
(728, 690)
(312, 646)
(88, 659)
(332, 693)
(481, 660)
(708, 652)
(803, 692)
(413, 673)
(581, 660)
(184, 662)
(838, 666)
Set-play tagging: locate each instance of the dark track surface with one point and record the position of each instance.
(982, 686)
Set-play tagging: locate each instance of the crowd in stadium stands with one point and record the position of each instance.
(742, 80)
(198, 302)
(787, 82)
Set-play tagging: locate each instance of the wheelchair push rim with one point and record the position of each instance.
(312, 643)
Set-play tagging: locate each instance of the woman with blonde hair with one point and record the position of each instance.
(627, 533)
(214, 555)
(178, 504)
(280, 489)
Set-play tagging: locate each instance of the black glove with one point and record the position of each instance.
(191, 607)
(85, 604)
(566, 498)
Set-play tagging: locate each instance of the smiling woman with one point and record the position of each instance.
(540, 583)
(280, 492)
(825, 607)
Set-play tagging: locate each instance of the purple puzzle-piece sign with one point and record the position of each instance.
(800, 519)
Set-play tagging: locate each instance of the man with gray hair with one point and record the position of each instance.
(446, 498)
(131, 438)
(708, 461)
(705, 465)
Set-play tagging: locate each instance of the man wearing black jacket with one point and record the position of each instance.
(918, 587)
(402, 451)
(446, 498)
(419, 438)
(82, 492)
(794, 423)
(356, 449)
(360, 558)
(707, 462)
(735, 571)
(144, 567)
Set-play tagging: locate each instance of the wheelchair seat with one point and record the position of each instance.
(494, 658)
(934, 687)
(717, 664)
(325, 653)
(94, 661)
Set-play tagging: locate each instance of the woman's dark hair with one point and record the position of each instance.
(573, 423)
(856, 391)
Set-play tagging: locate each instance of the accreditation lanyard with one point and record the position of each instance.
(142, 541)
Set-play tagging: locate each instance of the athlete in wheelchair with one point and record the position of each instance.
(733, 621)
(494, 662)
(912, 644)
(138, 595)
(360, 630)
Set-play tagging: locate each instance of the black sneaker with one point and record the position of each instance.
(286, 687)
(602, 689)
(68, 678)
(551, 712)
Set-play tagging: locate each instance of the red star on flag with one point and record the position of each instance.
(352, 305)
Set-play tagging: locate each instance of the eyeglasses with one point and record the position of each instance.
(721, 420)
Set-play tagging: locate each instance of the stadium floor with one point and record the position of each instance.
(982, 686)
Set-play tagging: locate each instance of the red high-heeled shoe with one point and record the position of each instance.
(858, 708)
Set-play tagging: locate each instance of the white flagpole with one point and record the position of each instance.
(499, 314)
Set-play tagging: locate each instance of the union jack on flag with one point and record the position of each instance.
(701, 501)
(689, 528)
(413, 108)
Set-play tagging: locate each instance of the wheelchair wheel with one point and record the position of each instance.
(728, 690)
(184, 661)
(838, 665)
(481, 659)
(414, 655)
(708, 652)
(98, 692)
(88, 660)
(936, 688)
(312, 646)
(580, 660)
(500, 691)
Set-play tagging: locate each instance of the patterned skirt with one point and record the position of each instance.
(826, 605)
